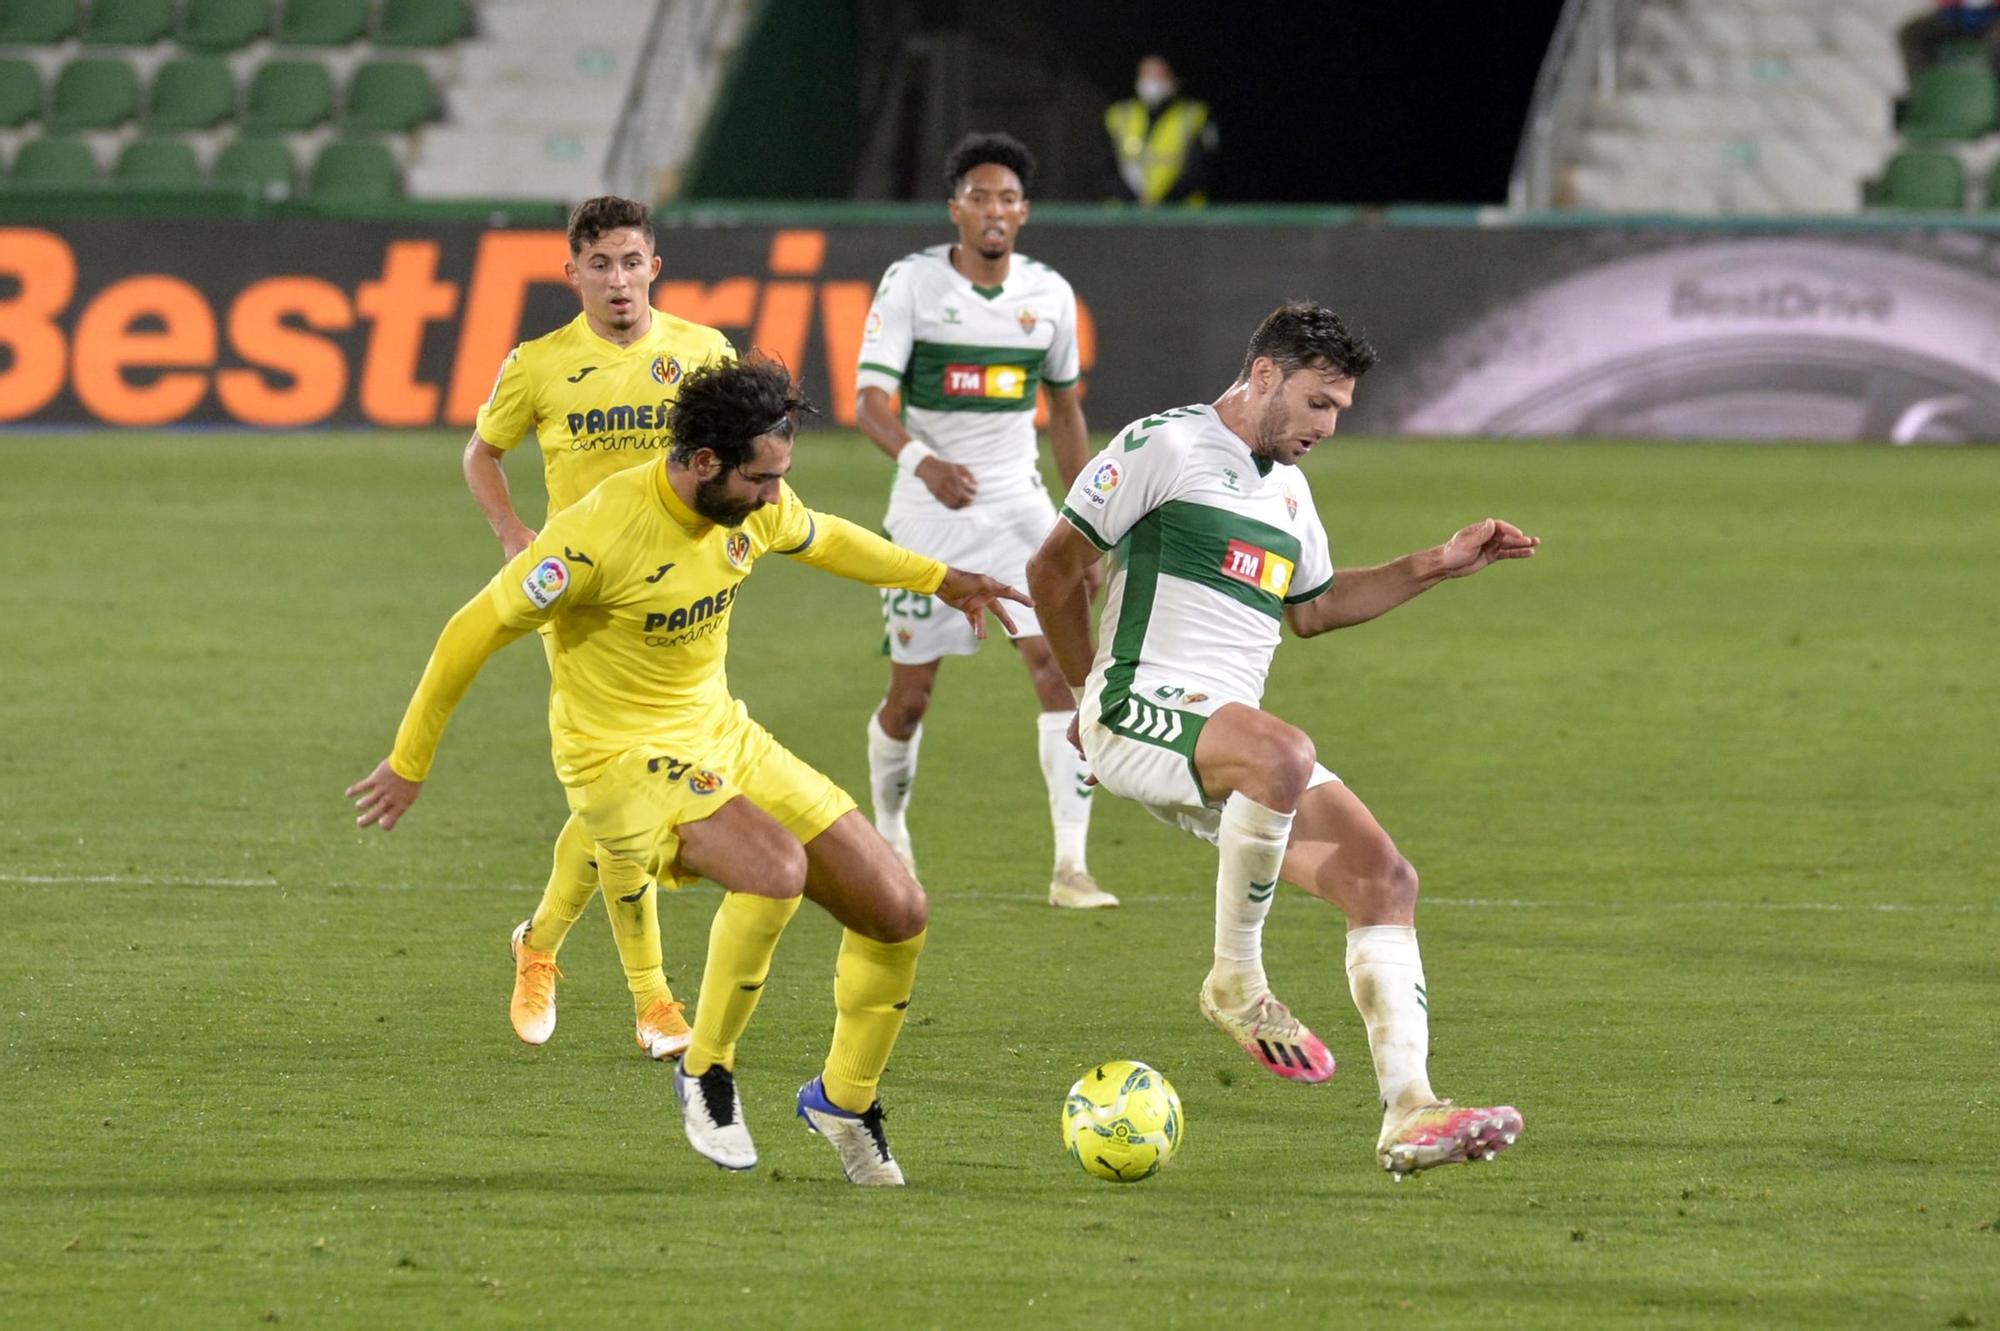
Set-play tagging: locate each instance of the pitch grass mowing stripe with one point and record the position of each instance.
(976, 894)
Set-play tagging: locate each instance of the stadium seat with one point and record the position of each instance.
(225, 25)
(421, 22)
(288, 94)
(1993, 187)
(37, 22)
(54, 164)
(158, 164)
(192, 93)
(322, 22)
(1953, 102)
(1929, 180)
(389, 95)
(263, 164)
(94, 93)
(20, 93)
(129, 22)
(355, 171)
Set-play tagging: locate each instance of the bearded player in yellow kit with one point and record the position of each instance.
(636, 583)
(596, 393)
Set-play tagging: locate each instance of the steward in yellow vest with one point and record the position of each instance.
(1163, 144)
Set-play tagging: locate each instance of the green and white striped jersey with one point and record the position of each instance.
(1209, 544)
(967, 361)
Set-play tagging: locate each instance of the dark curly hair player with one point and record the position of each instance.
(634, 585)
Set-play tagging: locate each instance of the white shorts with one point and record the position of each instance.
(995, 539)
(1145, 753)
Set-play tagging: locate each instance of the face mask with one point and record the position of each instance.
(1153, 91)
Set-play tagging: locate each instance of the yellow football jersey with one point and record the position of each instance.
(596, 408)
(638, 590)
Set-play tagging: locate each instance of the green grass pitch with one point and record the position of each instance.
(1703, 799)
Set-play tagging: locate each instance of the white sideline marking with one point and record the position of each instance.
(974, 894)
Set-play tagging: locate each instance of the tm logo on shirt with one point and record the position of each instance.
(1003, 381)
(1259, 568)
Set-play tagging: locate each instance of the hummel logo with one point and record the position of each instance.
(577, 378)
(1261, 892)
(661, 574)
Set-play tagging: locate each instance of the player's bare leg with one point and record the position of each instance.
(1341, 854)
(1259, 766)
(1066, 777)
(855, 875)
(762, 870)
(895, 731)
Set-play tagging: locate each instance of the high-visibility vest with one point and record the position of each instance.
(1158, 155)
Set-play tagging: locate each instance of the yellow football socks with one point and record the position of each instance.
(572, 882)
(633, 903)
(872, 983)
(740, 944)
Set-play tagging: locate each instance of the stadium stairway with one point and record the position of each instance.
(1745, 106)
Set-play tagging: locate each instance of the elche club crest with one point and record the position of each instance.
(1027, 318)
(666, 370)
(738, 549)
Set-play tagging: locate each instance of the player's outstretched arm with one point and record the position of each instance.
(472, 635)
(1361, 594)
(973, 594)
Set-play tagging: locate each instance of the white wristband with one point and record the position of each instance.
(912, 455)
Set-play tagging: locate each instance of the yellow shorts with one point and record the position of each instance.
(637, 802)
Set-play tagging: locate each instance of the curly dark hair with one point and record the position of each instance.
(1303, 334)
(607, 212)
(979, 149)
(726, 406)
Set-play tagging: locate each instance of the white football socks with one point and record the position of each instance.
(1064, 772)
(1252, 842)
(1385, 974)
(892, 770)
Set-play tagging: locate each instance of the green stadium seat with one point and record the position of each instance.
(158, 164)
(94, 93)
(20, 93)
(322, 22)
(37, 22)
(288, 94)
(356, 171)
(225, 25)
(421, 22)
(129, 22)
(192, 93)
(263, 164)
(56, 163)
(1952, 102)
(389, 95)
(1928, 180)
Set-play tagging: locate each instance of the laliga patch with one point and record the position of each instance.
(1103, 481)
(704, 782)
(874, 327)
(546, 581)
(666, 370)
(738, 549)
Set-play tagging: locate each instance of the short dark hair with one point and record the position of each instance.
(1303, 334)
(607, 212)
(978, 149)
(726, 405)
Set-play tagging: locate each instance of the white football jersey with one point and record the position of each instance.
(1209, 544)
(967, 361)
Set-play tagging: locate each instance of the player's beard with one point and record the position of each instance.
(712, 501)
(1271, 430)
